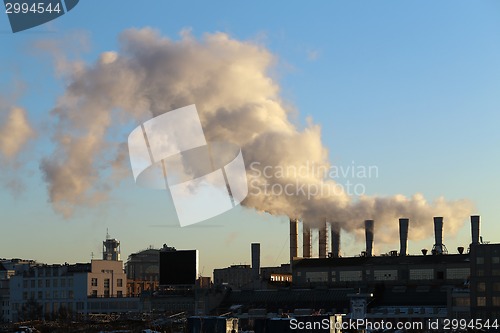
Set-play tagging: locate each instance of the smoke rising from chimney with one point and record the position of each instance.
(238, 101)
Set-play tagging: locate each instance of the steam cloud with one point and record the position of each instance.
(14, 133)
(239, 101)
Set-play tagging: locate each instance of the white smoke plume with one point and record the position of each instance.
(238, 101)
(15, 132)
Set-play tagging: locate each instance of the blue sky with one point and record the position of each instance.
(411, 87)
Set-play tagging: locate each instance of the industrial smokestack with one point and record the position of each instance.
(335, 230)
(369, 237)
(294, 239)
(255, 261)
(439, 247)
(306, 242)
(474, 226)
(323, 241)
(403, 236)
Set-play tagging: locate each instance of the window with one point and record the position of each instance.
(385, 275)
(63, 283)
(25, 295)
(56, 294)
(25, 284)
(119, 283)
(496, 301)
(94, 282)
(70, 282)
(480, 272)
(40, 295)
(94, 293)
(47, 283)
(40, 283)
(496, 286)
(55, 283)
(479, 260)
(481, 301)
(119, 293)
(47, 294)
(70, 294)
(350, 276)
(32, 283)
(422, 274)
(457, 273)
(106, 283)
(481, 287)
(495, 260)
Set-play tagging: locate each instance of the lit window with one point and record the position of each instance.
(481, 301)
(481, 287)
(94, 282)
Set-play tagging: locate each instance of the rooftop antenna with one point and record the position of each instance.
(92, 255)
(107, 234)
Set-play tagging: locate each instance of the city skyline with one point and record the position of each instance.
(409, 89)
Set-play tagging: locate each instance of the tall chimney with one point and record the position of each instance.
(438, 247)
(323, 240)
(403, 236)
(335, 230)
(294, 239)
(474, 226)
(369, 237)
(306, 242)
(256, 261)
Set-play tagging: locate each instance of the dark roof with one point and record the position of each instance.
(412, 296)
(382, 260)
(289, 298)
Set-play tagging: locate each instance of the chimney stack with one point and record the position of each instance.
(335, 230)
(256, 261)
(369, 237)
(323, 241)
(294, 239)
(403, 236)
(306, 241)
(439, 247)
(474, 226)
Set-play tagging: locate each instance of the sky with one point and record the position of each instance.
(410, 88)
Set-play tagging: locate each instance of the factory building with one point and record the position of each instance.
(485, 281)
(431, 285)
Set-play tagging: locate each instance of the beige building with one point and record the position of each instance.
(44, 291)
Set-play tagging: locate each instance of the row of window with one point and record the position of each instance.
(56, 294)
(481, 286)
(481, 301)
(481, 260)
(49, 283)
(94, 283)
(390, 275)
(119, 293)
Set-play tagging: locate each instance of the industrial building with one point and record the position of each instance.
(435, 284)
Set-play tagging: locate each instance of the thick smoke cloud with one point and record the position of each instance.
(238, 101)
